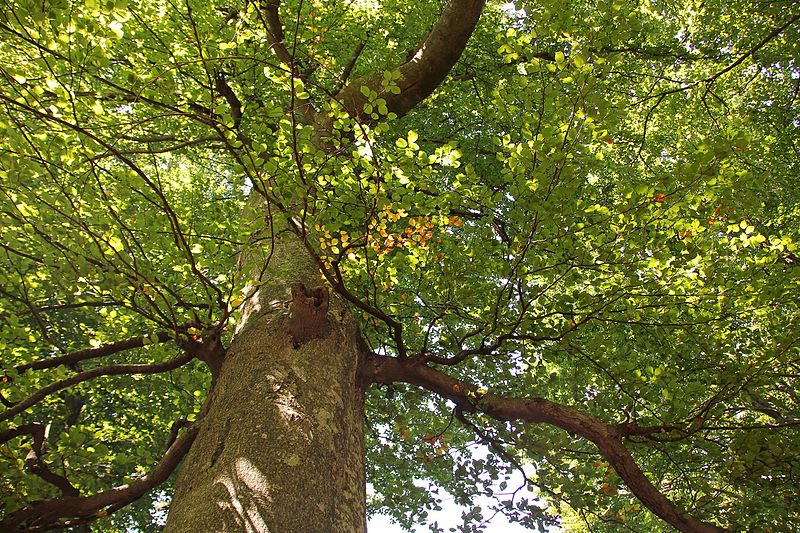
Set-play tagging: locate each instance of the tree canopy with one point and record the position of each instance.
(573, 242)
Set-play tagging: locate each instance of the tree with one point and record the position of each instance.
(298, 246)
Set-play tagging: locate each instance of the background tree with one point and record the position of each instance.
(241, 231)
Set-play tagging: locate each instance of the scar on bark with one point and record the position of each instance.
(209, 349)
(309, 314)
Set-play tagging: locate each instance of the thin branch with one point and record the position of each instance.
(74, 305)
(111, 370)
(93, 353)
(21, 253)
(348, 69)
(165, 149)
(175, 428)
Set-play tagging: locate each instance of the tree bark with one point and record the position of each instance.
(281, 446)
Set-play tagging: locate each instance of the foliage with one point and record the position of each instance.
(596, 207)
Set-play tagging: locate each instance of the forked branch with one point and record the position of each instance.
(34, 460)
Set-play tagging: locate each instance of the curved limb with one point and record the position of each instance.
(607, 437)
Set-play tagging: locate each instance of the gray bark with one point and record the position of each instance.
(281, 448)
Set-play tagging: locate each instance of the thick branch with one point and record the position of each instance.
(274, 29)
(427, 68)
(606, 437)
(43, 516)
(25, 429)
(222, 87)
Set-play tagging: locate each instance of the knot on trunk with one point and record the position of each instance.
(208, 348)
(309, 314)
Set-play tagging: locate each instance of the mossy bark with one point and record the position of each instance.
(281, 447)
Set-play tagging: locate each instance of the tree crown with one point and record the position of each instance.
(568, 233)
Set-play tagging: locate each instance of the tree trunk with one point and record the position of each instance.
(281, 448)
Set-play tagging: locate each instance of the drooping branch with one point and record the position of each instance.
(179, 236)
(607, 437)
(45, 515)
(428, 67)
